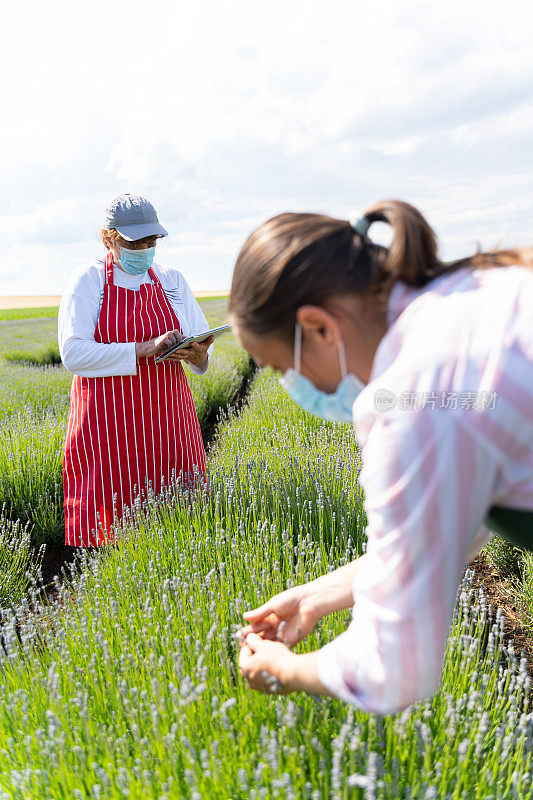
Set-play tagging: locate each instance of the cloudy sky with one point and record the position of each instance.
(224, 114)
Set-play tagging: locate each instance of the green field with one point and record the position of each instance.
(125, 685)
(28, 339)
(10, 314)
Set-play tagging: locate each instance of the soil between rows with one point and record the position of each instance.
(500, 592)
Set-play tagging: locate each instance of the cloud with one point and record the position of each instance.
(224, 114)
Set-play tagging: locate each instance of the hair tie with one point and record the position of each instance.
(360, 226)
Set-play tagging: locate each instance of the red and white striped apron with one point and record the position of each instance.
(126, 432)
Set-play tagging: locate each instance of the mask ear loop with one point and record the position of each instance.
(297, 346)
(342, 359)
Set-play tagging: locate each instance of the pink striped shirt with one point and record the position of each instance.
(446, 431)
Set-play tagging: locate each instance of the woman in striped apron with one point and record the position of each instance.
(132, 424)
(433, 364)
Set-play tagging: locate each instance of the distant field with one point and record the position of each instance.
(43, 306)
(9, 314)
(30, 335)
(221, 293)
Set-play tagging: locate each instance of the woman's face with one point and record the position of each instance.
(140, 244)
(324, 332)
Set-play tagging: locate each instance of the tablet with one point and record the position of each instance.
(199, 337)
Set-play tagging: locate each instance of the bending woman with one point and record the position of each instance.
(433, 363)
(132, 423)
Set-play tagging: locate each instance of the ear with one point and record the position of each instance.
(320, 324)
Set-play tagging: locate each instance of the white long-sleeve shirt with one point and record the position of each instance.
(445, 426)
(80, 307)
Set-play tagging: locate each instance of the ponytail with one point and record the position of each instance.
(412, 254)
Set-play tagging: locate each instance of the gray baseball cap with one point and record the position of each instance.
(133, 217)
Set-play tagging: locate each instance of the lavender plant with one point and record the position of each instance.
(126, 685)
(31, 483)
(33, 391)
(19, 566)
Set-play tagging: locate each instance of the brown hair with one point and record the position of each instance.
(306, 259)
(109, 233)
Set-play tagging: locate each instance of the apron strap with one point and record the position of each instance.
(159, 287)
(155, 279)
(109, 268)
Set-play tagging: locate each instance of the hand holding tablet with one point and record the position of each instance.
(199, 337)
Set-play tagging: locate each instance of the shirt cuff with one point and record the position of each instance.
(198, 370)
(132, 358)
(330, 672)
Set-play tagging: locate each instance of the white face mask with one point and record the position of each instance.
(337, 406)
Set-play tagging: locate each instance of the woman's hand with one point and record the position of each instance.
(159, 345)
(195, 354)
(287, 617)
(272, 668)
(290, 615)
(265, 659)
(266, 665)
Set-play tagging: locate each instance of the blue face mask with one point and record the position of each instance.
(335, 407)
(136, 262)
